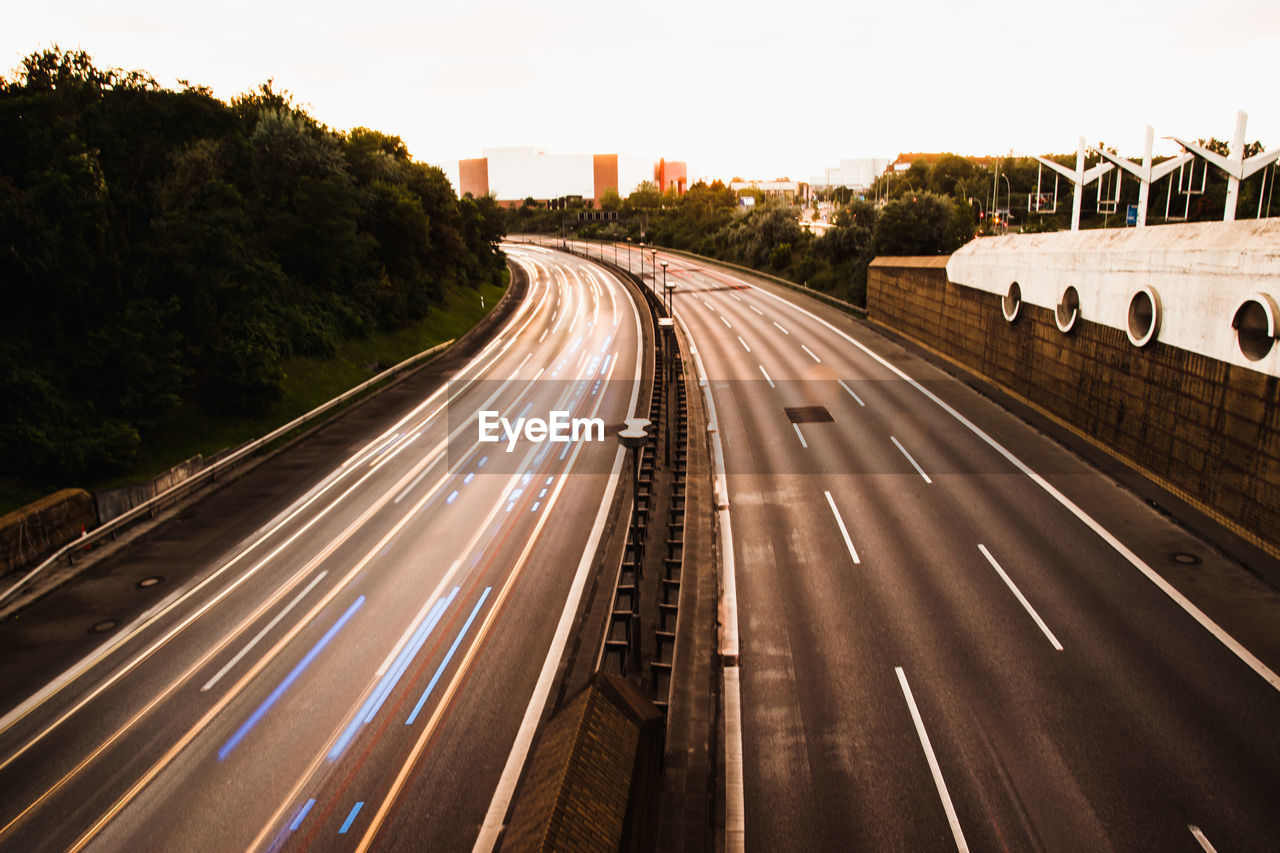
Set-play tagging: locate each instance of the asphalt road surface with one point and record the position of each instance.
(954, 634)
(353, 674)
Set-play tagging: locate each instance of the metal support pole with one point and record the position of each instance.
(1236, 157)
(1144, 185)
(1078, 196)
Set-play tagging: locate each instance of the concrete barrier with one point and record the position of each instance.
(594, 779)
(42, 526)
(113, 503)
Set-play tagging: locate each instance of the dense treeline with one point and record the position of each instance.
(161, 246)
(768, 236)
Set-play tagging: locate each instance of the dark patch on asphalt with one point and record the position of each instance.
(809, 415)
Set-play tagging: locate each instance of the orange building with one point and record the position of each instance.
(516, 174)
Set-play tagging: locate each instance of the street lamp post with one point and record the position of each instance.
(664, 287)
(654, 268)
(628, 256)
(1008, 201)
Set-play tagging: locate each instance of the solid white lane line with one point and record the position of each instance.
(1199, 836)
(851, 394)
(780, 329)
(844, 531)
(505, 789)
(800, 435)
(248, 647)
(744, 344)
(766, 377)
(811, 353)
(755, 309)
(938, 781)
(726, 320)
(1026, 604)
(911, 459)
(735, 809)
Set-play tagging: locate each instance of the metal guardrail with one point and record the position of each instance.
(847, 307)
(178, 490)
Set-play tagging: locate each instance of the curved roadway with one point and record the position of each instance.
(951, 634)
(354, 675)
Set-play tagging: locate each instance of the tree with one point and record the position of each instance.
(915, 225)
(162, 247)
(646, 196)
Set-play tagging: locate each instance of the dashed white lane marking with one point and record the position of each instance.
(766, 377)
(1199, 837)
(800, 435)
(844, 531)
(780, 329)
(1022, 598)
(851, 394)
(911, 459)
(938, 781)
(811, 353)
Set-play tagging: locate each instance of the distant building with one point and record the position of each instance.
(669, 174)
(517, 174)
(855, 173)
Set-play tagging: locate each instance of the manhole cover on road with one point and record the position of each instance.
(809, 414)
(1185, 559)
(149, 582)
(104, 626)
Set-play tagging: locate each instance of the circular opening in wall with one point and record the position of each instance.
(104, 626)
(1144, 317)
(1255, 325)
(147, 583)
(1068, 310)
(1185, 558)
(1011, 302)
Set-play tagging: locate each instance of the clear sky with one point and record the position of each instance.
(757, 89)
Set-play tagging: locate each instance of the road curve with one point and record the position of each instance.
(353, 674)
(936, 652)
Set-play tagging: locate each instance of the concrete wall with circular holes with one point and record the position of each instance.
(1213, 283)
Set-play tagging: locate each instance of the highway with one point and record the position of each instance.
(950, 630)
(355, 673)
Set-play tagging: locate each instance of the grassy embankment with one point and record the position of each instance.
(188, 430)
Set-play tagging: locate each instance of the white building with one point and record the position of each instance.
(856, 173)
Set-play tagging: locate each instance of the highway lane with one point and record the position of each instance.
(935, 652)
(353, 676)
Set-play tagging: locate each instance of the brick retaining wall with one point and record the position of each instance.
(1207, 430)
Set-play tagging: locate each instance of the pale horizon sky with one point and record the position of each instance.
(733, 88)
